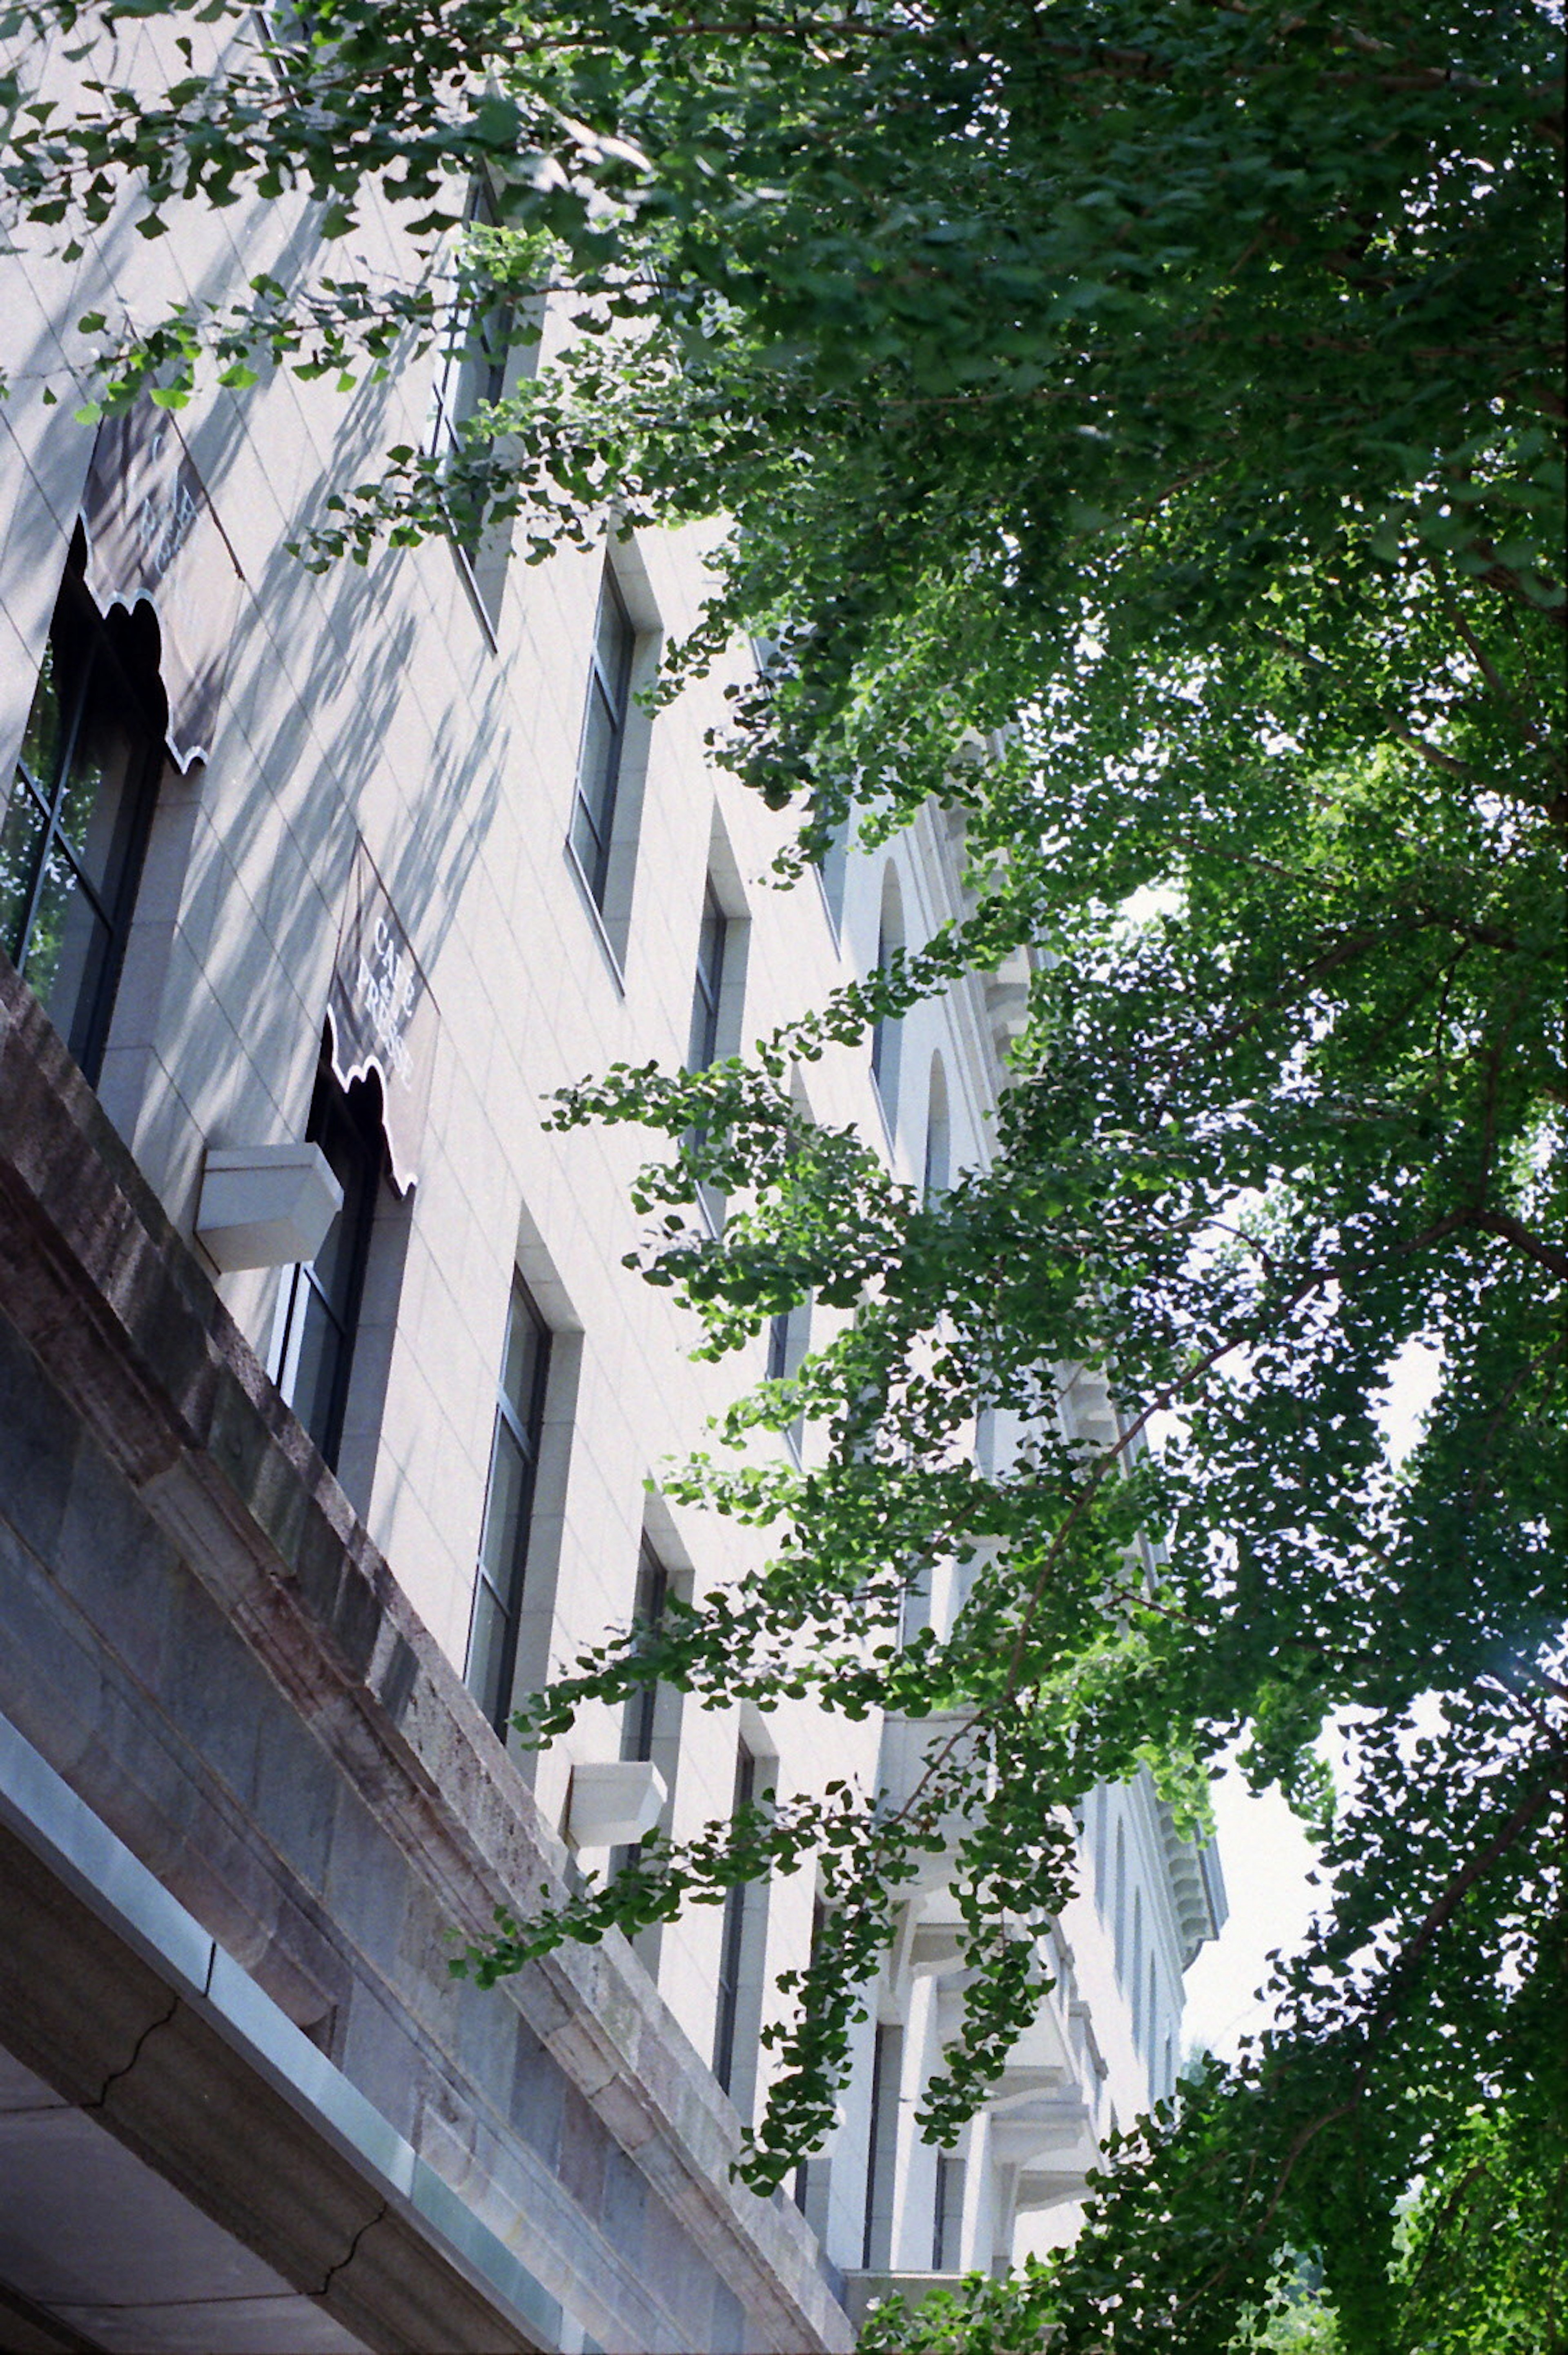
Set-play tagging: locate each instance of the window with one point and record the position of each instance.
(813, 2176)
(650, 1728)
(481, 330)
(1136, 1973)
(915, 1607)
(640, 1721)
(74, 829)
(947, 2232)
(641, 1708)
(474, 364)
(702, 1047)
(318, 1313)
(509, 1505)
(887, 1031)
(603, 738)
(936, 1176)
(702, 1043)
(832, 869)
(789, 1339)
(733, 1939)
(881, 2156)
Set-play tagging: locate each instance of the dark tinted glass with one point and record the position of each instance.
(703, 1042)
(603, 726)
(508, 1502)
(75, 823)
(317, 1352)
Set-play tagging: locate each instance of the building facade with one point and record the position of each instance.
(331, 1420)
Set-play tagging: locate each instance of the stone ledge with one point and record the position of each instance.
(138, 2057)
(99, 1282)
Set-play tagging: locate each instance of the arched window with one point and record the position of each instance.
(887, 1032)
(938, 1135)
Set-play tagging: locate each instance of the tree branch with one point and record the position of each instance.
(1500, 1223)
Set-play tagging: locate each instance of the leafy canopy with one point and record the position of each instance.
(1140, 430)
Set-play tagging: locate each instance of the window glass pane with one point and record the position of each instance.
(478, 365)
(97, 802)
(586, 841)
(334, 1266)
(641, 1706)
(947, 2254)
(703, 1043)
(600, 732)
(41, 744)
(731, 1946)
(67, 950)
(613, 643)
(21, 839)
(508, 1502)
(486, 1651)
(73, 827)
(609, 677)
(504, 1510)
(519, 1375)
(711, 944)
(318, 1339)
(315, 1348)
(700, 1045)
(479, 330)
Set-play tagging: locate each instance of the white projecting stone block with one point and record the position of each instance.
(614, 1803)
(266, 1205)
